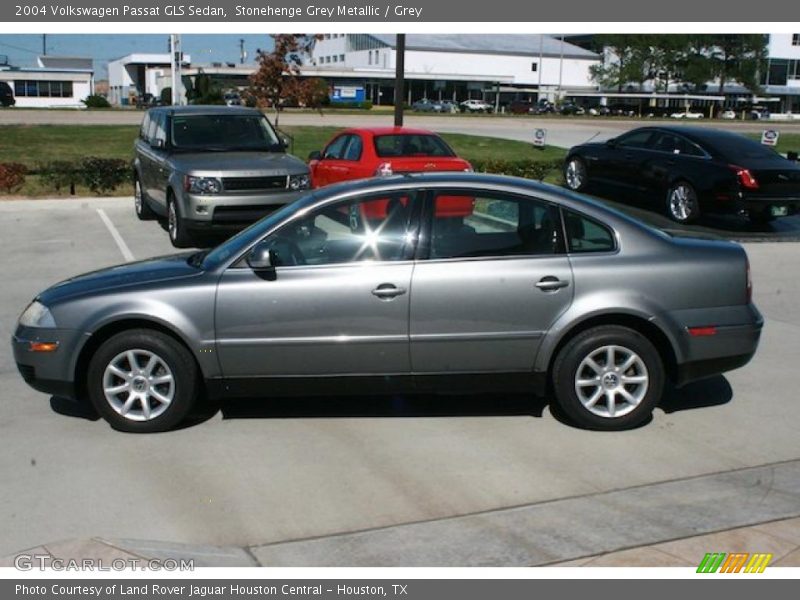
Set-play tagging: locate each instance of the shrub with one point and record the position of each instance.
(102, 175)
(60, 174)
(96, 101)
(12, 176)
(527, 168)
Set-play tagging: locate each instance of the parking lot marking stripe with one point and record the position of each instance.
(123, 247)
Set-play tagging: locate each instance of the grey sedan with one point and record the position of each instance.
(415, 283)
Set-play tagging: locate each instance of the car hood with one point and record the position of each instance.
(132, 274)
(227, 162)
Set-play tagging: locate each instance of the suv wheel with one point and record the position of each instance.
(142, 381)
(575, 175)
(176, 226)
(608, 378)
(143, 210)
(682, 204)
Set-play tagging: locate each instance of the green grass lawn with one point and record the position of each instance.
(33, 145)
(786, 141)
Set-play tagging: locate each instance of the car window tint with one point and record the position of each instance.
(353, 150)
(411, 145)
(637, 139)
(587, 235)
(160, 130)
(367, 229)
(143, 130)
(477, 224)
(335, 149)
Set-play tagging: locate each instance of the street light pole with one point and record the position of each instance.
(399, 79)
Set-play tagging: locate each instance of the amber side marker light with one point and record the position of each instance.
(43, 346)
(702, 331)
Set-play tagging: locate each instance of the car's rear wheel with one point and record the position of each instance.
(143, 210)
(142, 381)
(176, 226)
(682, 203)
(608, 378)
(575, 174)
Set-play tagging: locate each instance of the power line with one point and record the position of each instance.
(20, 48)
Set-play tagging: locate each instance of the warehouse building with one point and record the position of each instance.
(56, 82)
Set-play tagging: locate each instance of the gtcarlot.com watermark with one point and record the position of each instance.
(31, 562)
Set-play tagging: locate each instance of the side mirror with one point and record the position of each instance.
(158, 144)
(315, 155)
(612, 143)
(261, 258)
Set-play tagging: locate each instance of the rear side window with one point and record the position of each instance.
(353, 151)
(587, 235)
(143, 131)
(411, 145)
(636, 139)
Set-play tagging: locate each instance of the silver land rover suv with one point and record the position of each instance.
(207, 168)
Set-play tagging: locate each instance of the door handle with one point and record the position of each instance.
(387, 291)
(551, 284)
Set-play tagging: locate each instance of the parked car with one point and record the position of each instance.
(381, 151)
(206, 168)
(233, 99)
(521, 107)
(599, 111)
(689, 171)
(423, 105)
(476, 106)
(435, 282)
(686, 114)
(447, 106)
(6, 95)
(728, 114)
(621, 110)
(543, 107)
(570, 108)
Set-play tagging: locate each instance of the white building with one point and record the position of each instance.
(138, 74)
(56, 82)
(782, 76)
(457, 67)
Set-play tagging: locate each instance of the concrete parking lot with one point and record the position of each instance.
(264, 472)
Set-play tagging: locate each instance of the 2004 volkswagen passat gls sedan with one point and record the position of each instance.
(408, 283)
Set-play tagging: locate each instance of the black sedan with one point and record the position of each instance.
(688, 171)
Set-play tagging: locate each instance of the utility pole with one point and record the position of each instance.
(176, 58)
(242, 53)
(560, 68)
(540, 66)
(399, 78)
(44, 44)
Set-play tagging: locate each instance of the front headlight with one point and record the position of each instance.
(202, 185)
(299, 182)
(37, 315)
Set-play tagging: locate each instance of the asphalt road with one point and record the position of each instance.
(562, 132)
(269, 471)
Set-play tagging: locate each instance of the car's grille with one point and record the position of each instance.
(239, 184)
(242, 214)
(28, 372)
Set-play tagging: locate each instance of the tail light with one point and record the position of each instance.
(749, 284)
(469, 169)
(384, 170)
(745, 177)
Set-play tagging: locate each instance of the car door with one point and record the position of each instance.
(327, 170)
(337, 302)
(626, 157)
(491, 279)
(159, 155)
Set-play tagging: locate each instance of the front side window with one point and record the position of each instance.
(373, 228)
(224, 133)
(637, 139)
(480, 224)
(587, 235)
(335, 149)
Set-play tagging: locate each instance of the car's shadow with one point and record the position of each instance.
(713, 391)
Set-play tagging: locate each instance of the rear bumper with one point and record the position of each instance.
(760, 204)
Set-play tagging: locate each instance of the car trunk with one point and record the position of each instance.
(775, 177)
(426, 164)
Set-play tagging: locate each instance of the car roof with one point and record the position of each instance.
(390, 131)
(196, 109)
(698, 134)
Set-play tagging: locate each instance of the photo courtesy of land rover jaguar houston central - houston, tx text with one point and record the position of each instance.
(409, 283)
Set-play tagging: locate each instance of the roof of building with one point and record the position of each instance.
(71, 63)
(528, 44)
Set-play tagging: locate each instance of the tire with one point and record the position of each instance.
(176, 226)
(576, 176)
(586, 388)
(682, 204)
(142, 208)
(158, 357)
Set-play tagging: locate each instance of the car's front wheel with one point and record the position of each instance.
(142, 381)
(575, 174)
(608, 378)
(143, 210)
(176, 226)
(682, 203)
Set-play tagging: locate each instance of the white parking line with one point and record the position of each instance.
(123, 247)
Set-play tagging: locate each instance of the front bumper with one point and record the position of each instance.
(232, 210)
(48, 372)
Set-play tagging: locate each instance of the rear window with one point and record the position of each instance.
(737, 148)
(411, 145)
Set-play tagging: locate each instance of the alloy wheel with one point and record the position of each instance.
(138, 384)
(137, 196)
(172, 222)
(611, 381)
(682, 203)
(575, 174)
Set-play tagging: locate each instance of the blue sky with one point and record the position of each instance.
(22, 50)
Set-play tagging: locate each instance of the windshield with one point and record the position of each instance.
(235, 245)
(411, 145)
(221, 133)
